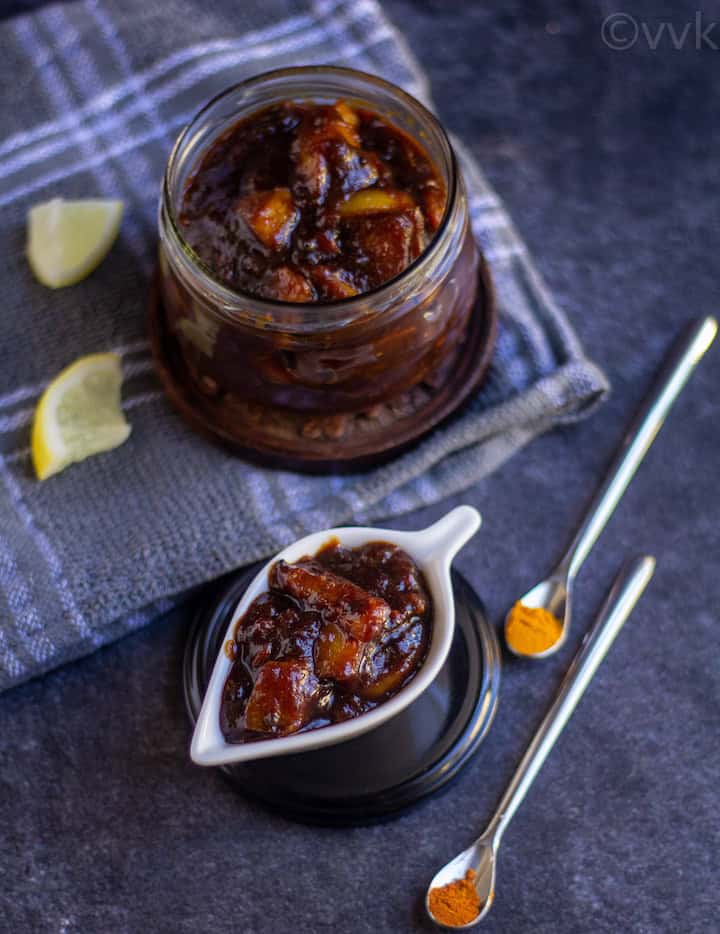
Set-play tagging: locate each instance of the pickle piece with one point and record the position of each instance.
(389, 241)
(433, 200)
(342, 122)
(271, 215)
(354, 169)
(326, 136)
(359, 613)
(376, 201)
(347, 114)
(337, 655)
(392, 661)
(236, 691)
(312, 171)
(282, 698)
(264, 630)
(333, 283)
(286, 285)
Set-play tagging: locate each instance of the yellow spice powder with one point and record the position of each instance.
(457, 902)
(531, 629)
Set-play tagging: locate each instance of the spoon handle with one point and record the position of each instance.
(681, 361)
(624, 594)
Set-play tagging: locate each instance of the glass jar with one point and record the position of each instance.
(341, 356)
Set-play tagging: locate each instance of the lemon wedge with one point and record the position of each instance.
(79, 414)
(68, 239)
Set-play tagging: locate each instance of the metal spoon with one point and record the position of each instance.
(481, 856)
(555, 592)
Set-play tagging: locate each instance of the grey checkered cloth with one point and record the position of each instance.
(93, 96)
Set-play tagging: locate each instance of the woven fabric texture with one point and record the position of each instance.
(93, 97)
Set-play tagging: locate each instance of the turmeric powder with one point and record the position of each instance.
(530, 629)
(457, 902)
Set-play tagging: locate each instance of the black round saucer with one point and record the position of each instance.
(389, 768)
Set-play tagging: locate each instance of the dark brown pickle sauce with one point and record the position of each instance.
(336, 635)
(304, 202)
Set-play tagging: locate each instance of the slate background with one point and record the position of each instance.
(608, 162)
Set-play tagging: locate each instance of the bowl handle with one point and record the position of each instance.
(445, 538)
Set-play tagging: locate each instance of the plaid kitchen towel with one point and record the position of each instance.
(93, 95)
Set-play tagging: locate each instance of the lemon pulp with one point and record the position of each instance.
(79, 414)
(68, 239)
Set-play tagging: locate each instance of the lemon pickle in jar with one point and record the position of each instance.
(316, 254)
(305, 202)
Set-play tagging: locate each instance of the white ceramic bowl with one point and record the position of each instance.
(432, 549)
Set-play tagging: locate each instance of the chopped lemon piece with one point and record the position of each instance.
(376, 201)
(68, 239)
(79, 414)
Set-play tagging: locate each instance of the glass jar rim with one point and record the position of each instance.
(229, 296)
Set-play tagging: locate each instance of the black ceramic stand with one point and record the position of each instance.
(389, 768)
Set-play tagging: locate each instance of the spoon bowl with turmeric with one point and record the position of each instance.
(462, 892)
(537, 624)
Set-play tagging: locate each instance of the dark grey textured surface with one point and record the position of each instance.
(608, 163)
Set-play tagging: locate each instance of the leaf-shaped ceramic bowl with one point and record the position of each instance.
(433, 550)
